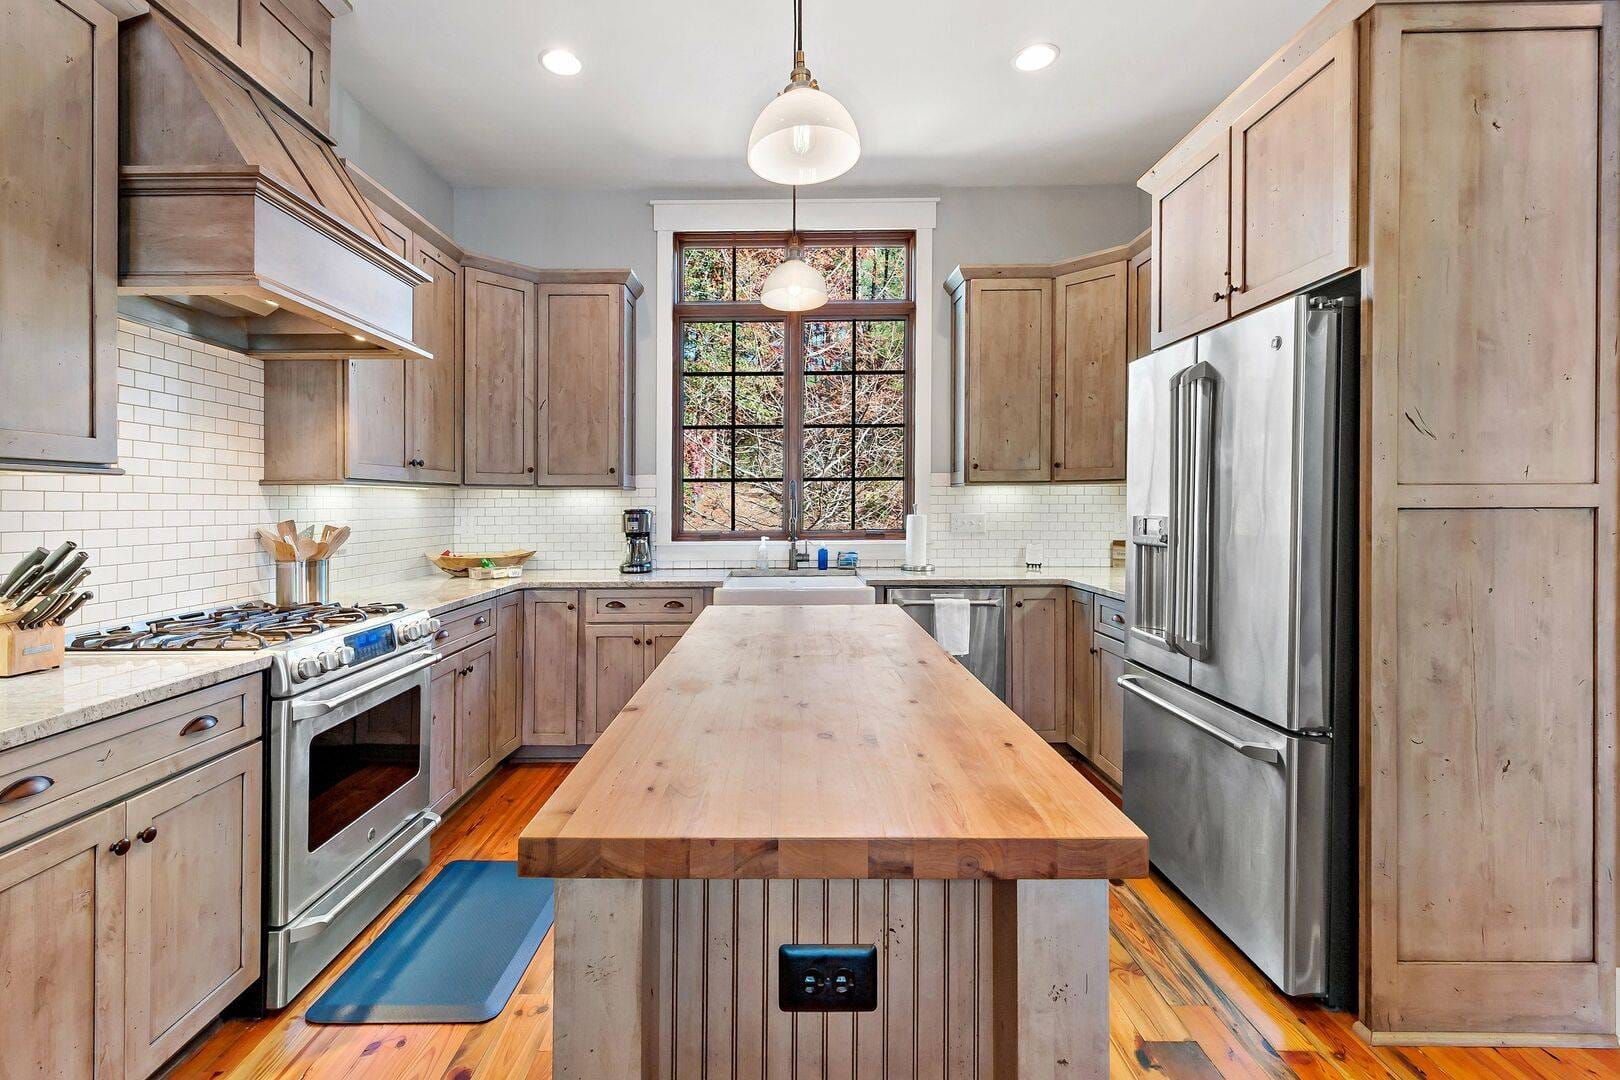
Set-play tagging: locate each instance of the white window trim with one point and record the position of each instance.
(671, 216)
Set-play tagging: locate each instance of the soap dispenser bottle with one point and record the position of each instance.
(762, 561)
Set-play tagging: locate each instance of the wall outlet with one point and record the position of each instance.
(827, 978)
(969, 524)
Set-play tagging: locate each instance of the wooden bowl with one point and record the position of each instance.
(458, 565)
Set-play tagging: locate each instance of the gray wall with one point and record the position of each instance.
(554, 228)
(366, 141)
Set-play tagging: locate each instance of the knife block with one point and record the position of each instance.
(24, 651)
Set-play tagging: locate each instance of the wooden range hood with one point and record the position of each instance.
(237, 223)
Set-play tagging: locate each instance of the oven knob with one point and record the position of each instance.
(410, 631)
(331, 660)
(307, 668)
(433, 626)
(346, 655)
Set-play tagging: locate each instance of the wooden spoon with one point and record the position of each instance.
(273, 543)
(335, 541)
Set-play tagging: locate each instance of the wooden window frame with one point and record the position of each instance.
(685, 311)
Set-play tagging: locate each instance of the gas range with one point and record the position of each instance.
(314, 644)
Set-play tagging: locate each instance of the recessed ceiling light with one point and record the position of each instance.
(560, 62)
(1035, 57)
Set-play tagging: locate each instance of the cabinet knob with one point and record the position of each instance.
(147, 835)
(1018, 603)
(120, 846)
(199, 724)
(1217, 298)
(1057, 464)
(975, 464)
(530, 469)
(570, 607)
(26, 788)
(611, 470)
(635, 641)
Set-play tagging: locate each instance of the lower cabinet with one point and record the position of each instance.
(1082, 675)
(477, 696)
(475, 713)
(1037, 659)
(551, 657)
(1108, 739)
(128, 930)
(616, 660)
(506, 722)
(442, 790)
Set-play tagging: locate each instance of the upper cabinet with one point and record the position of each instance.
(284, 45)
(58, 234)
(587, 333)
(501, 403)
(1038, 357)
(1263, 206)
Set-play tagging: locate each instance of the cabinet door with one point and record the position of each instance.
(1139, 297)
(59, 232)
(585, 336)
(1009, 380)
(475, 709)
(293, 59)
(1038, 659)
(1108, 745)
(506, 722)
(1089, 356)
(1190, 230)
(193, 906)
(1082, 675)
(551, 659)
(613, 666)
(62, 906)
(659, 640)
(433, 387)
(374, 406)
(500, 378)
(1293, 179)
(442, 790)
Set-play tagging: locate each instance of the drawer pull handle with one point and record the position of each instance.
(615, 604)
(26, 788)
(147, 835)
(120, 846)
(441, 635)
(674, 604)
(1115, 616)
(199, 724)
(481, 620)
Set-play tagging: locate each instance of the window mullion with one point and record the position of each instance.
(792, 415)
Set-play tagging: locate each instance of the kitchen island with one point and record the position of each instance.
(827, 775)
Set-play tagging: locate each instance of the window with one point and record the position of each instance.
(769, 403)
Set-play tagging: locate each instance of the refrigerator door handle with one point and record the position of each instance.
(1257, 751)
(1192, 475)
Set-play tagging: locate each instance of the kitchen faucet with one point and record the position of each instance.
(794, 540)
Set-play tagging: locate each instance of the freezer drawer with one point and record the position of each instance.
(1236, 814)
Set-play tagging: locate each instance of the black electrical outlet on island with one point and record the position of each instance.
(827, 978)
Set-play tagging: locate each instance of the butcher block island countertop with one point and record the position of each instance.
(828, 775)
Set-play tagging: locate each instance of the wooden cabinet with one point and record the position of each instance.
(1038, 660)
(192, 940)
(1089, 352)
(58, 234)
(551, 659)
(616, 660)
(586, 340)
(63, 907)
(501, 377)
(475, 708)
(506, 722)
(471, 733)
(1139, 297)
(1002, 357)
(442, 790)
(1108, 709)
(1082, 675)
(1263, 208)
(433, 387)
(128, 930)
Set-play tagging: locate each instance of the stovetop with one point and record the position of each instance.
(247, 627)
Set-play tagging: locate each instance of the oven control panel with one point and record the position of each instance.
(371, 644)
(327, 656)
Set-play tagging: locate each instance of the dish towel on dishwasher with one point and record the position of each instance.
(951, 615)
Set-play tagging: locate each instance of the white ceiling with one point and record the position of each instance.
(670, 89)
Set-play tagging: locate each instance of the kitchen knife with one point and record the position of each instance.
(47, 583)
(33, 574)
(61, 618)
(71, 586)
(40, 613)
(54, 559)
(25, 564)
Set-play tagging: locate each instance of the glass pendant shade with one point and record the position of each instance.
(804, 136)
(794, 286)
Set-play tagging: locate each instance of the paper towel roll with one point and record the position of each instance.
(916, 540)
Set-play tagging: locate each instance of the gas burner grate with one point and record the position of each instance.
(238, 627)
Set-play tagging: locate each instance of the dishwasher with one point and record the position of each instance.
(987, 628)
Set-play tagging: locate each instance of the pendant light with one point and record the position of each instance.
(795, 285)
(804, 136)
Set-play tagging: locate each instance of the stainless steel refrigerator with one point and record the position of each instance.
(1240, 650)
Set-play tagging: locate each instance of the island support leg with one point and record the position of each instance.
(1050, 972)
(604, 980)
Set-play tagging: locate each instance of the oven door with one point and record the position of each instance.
(348, 769)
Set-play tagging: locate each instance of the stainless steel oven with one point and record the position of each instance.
(349, 819)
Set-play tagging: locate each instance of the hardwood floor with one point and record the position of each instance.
(1183, 1003)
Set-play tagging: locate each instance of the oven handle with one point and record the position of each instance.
(429, 821)
(307, 710)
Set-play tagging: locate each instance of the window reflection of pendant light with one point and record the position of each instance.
(804, 136)
(795, 285)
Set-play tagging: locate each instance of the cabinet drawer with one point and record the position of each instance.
(643, 605)
(49, 781)
(1108, 618)
(464, 627)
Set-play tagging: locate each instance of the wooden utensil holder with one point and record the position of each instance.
(24, 651)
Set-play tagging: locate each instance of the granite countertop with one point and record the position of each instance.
(93, 686)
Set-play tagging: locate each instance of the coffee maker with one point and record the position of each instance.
(638, 527)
